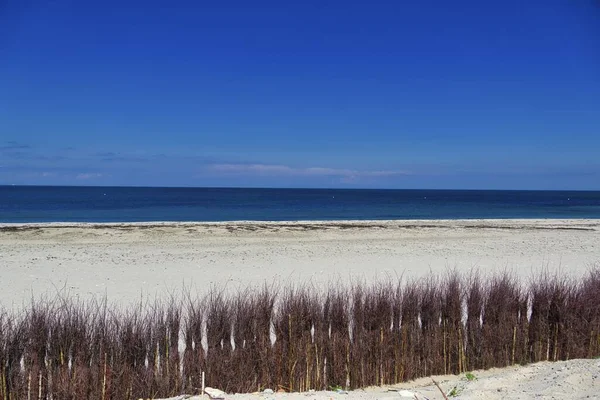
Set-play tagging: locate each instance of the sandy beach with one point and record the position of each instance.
(126, 261)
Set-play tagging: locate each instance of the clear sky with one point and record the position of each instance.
(394, 94)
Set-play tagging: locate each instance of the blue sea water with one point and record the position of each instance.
(134, 204)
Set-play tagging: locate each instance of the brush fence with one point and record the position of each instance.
(296, 338)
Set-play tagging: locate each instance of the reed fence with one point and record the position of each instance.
(296, 338)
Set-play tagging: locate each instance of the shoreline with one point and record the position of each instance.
(334, 223)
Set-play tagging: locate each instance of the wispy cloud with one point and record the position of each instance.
(88, 175)
(106, 154)
(285, 170)
(12, 145)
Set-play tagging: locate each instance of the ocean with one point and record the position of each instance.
(21, 204)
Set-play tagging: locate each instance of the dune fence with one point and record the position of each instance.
(296, 338)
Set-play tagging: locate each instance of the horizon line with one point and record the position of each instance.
(297, 188)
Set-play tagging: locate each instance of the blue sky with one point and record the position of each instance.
(422, 94)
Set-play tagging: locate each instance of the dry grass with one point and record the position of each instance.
(297, 338)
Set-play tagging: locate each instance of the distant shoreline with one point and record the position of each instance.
(503, 223)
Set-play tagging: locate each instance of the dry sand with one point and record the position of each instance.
(125, 261)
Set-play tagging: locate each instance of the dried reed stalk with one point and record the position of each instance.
(375, 334)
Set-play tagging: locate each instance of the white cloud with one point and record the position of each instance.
(284, 170)
(252, 168)
(85, 176)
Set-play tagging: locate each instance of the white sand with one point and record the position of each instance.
(127, 260)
